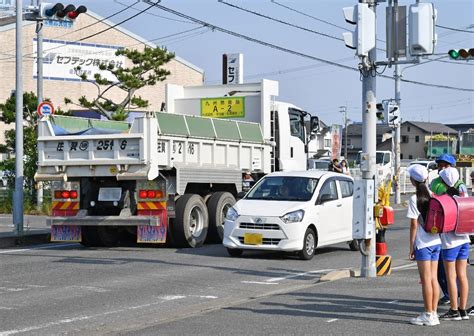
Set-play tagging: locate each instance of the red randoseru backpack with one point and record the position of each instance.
(442, 214)
(465, 224)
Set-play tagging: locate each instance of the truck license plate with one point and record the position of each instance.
(151, 234)
(253, 239)
(71, 233)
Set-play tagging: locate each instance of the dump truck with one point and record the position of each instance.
(168, 176)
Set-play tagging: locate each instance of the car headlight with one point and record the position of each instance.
(232, 214)
(293, 217)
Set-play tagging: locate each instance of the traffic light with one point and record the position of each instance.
(60, 12)
(392, 113)
(380, 112)
(363, 38)
(461, 54)
(422, 37)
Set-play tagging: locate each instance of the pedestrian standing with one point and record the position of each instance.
(345, 168)
(424, 247)
(438, 187)
(455, 252)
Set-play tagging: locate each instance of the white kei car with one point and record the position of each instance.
(292, 211)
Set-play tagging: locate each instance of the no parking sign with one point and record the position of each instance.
(45, 109)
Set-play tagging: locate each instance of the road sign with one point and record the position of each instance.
(45, 109)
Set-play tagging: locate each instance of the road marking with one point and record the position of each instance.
(6, 308)
(260, 282)
(404, 266)
(332, 320)
(88, 317)
(394, 301)
(297, 275)
(40, 247)
(91, 288)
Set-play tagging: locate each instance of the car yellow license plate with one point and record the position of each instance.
(253, 239)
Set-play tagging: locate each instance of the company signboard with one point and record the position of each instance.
(336, 137)
(61, 58)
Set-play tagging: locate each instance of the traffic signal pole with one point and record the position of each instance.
(369, 145)
(18, 193)
(39, 86)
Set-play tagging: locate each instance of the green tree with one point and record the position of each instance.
(147, 69)
(30, 135)
(7, 115)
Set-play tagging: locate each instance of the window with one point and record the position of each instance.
(347, 188)
(404, 138)
(296, 123)
(401, 156)
(328, 191)
(408, 129)
(327, 142)
(410, 156)
(417, 138)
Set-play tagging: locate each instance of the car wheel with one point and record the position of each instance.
(191, 222)
(309, 245)
(218, 205)
(234, 252)
(354, 245)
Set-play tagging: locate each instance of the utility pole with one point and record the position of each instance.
(343, 109)
(18, 193)
(369, 144)
(39, 86)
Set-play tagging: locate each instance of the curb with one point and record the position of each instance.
(29, 239)
(336, 275)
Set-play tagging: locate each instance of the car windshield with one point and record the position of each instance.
(284, 188)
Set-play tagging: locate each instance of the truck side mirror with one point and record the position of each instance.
(315, 124)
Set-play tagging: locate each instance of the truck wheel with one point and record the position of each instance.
(234, 252)
(90, 237)
(354, 245)
(310, 242)
(109, 236)
(191, 222)
(218, 205)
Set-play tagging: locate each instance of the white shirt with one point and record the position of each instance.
(422, 239)
(451, 240)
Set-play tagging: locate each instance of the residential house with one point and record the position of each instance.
(354, 138)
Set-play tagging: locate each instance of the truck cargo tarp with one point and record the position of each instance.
(89, 131)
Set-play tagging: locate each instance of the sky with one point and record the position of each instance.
(316, 87)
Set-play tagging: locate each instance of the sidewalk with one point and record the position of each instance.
(34, 231)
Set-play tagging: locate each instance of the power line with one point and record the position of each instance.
(293, 52)
(121, 22)
(457, 29)
(281, 21)
(153, 14)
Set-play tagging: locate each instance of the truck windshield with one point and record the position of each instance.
(296, 123)
(284, 188)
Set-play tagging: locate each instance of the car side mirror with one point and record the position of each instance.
(325, 198)
(315, 126)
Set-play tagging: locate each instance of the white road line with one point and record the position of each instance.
(332, 320)
(40, 247)
(88, 317)
(260, 282)
(404, 266)
(297, 275)
(394, 301)
(6, 308)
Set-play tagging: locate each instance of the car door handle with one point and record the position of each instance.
(339, 205)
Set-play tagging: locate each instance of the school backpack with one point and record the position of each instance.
(442, 214)
(440, 188)
(465, 215)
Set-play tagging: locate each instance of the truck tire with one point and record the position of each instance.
(217, 207)
(310, 242)
(90, 237)
(192, 221)
(109, 236)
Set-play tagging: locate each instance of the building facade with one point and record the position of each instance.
(63, 51)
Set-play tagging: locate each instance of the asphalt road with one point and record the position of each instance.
(65, 289)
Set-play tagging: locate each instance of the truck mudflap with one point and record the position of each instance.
(149, 229)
